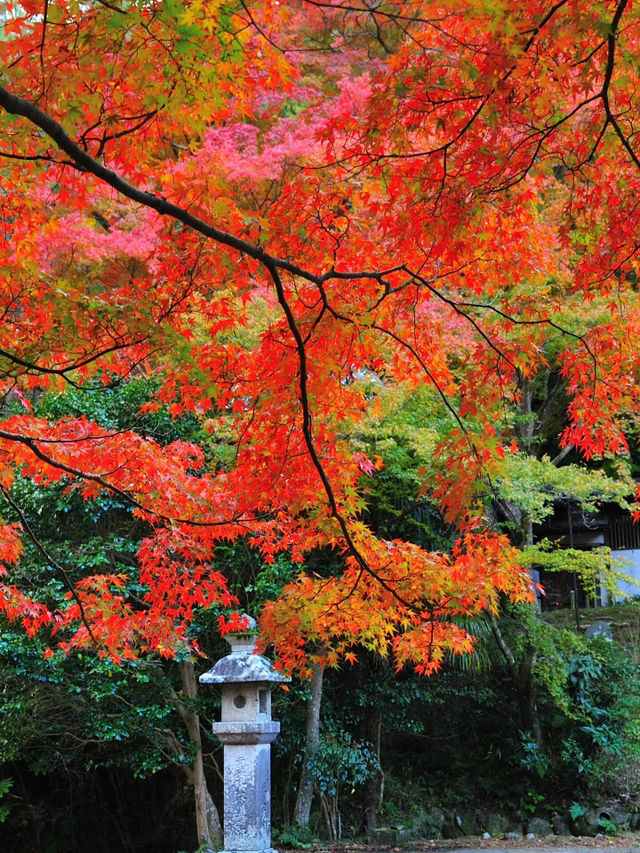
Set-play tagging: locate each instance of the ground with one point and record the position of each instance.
(552, 842)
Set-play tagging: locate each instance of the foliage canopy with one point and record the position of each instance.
(275, 209)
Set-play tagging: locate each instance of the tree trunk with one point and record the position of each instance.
(527, 699)
(207, 819)
(522, 677)
(374, 784)
(302, 810)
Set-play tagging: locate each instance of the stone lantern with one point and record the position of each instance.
(246, 731)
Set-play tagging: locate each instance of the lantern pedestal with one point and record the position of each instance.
(247, 784)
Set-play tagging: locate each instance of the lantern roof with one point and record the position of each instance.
(243, 664)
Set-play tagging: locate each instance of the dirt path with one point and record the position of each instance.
(551, 842)
(627, 841)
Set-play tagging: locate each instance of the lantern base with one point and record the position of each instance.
(236, 850)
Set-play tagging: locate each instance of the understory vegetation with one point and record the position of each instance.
(89, 746)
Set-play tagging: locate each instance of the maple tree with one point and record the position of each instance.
(268, 205)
